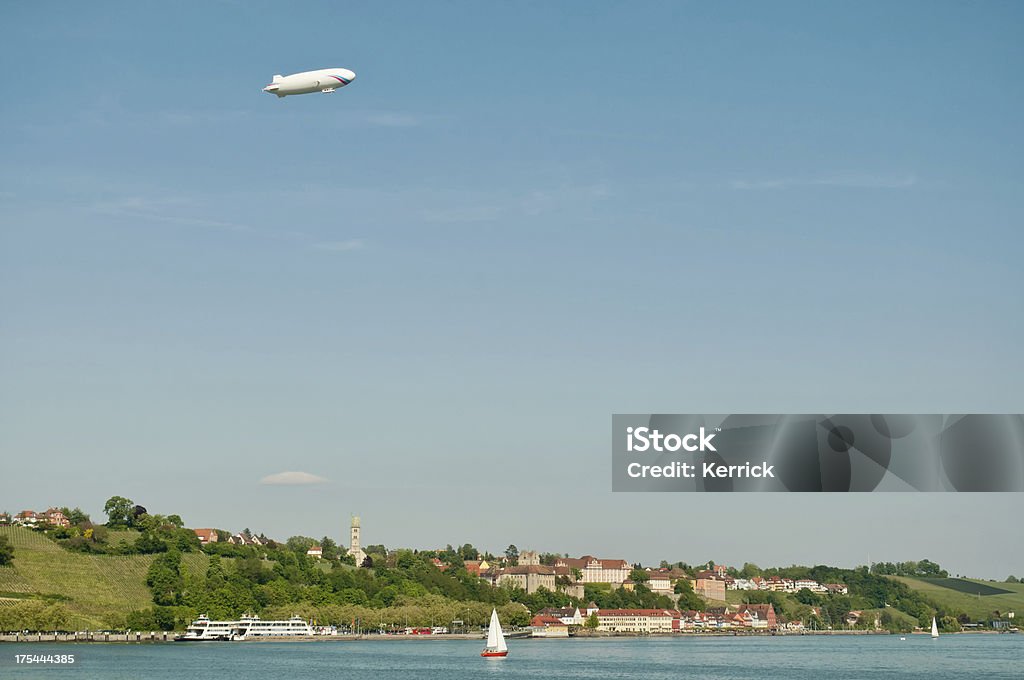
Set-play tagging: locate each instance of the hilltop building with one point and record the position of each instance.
(477, 567)
(528, 577)
(206, 536)
(529, 558)
(354, 548)
(593, 570)
(708, 588)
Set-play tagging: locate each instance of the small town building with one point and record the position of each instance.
(570, 616)
(593, 570)
(709, 588)
(529, 578)
(648, 621)
(529, 558)
(245, 539)
(547, 626)
(56, 518)
(758, 616)
(27, 518)
(206, 536)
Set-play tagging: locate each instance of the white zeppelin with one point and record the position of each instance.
(325, 80)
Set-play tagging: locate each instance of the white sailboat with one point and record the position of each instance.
(496, 646)
(935, 628)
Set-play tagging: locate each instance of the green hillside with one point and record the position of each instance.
(97, 589)
(950, 594)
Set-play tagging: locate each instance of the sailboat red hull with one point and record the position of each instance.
(487, 653)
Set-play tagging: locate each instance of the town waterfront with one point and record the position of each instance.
(791, 657)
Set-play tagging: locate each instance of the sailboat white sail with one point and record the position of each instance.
(495, 638)
(935, 628)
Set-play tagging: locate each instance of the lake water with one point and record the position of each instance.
(793, 658)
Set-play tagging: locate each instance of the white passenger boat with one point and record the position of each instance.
(248, 627)
(205, 630)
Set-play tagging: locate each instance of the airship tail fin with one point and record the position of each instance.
(277, 78)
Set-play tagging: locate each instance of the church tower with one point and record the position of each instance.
(354, 549)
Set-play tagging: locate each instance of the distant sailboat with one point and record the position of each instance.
(495, 638)
(935, 628)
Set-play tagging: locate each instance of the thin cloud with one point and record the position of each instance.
(467, 213)
(160, 211)
(838, 181)
(341, 246)
(292, 479)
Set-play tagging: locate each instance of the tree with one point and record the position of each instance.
(214, 573)
(119, 511)
(749, 570)
(164, 578)
(329, 548)
(512, 554)
(592, 622)
(76, 516)
(639, 576)
(99, 534)
(687, 598)
(148, 542)
(6, 551)
(300, 544)
(805, 596)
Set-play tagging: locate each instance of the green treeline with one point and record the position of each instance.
(401, 588)
(398, 588)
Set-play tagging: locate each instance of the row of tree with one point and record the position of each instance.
(34, 615)
(922, 569)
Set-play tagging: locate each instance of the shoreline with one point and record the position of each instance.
(161, 637)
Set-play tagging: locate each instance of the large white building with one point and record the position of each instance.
(593, 570)
(637, 620)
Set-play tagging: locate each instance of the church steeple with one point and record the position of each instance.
(354, 548)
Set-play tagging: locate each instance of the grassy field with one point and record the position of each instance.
(98, 589)
(976, 606)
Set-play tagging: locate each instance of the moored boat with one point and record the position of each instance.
(205, 630)
(249, 627)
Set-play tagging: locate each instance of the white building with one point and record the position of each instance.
(593, 570)
(636, 620)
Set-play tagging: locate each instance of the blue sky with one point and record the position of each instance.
(434, 287)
